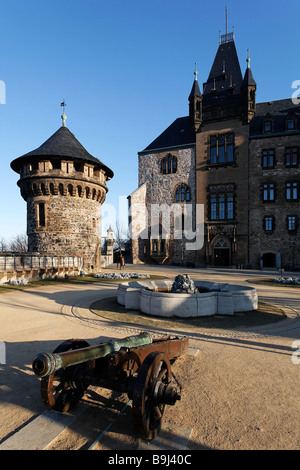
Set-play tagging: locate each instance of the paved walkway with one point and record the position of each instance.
(38, 319)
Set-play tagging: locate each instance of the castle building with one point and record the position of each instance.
(237, 159)
(64, 187)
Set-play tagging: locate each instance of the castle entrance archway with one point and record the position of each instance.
(221, 252)
(269, 260)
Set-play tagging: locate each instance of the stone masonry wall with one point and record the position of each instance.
(236, 174)
(72, 226)
(161, 190)
(280, 241)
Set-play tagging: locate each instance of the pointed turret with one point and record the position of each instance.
(225, 72)
(195, 103)
(248, 92)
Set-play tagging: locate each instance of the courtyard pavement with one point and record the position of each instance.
(38, 319)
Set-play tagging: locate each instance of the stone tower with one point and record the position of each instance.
(64, 187)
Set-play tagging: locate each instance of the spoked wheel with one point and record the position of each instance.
(151, 392)
(58, 391)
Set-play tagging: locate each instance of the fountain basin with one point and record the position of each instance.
(155, 298)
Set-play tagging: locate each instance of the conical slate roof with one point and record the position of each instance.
(195, 90)
(61, 144)
(226, 64)
(248, 78)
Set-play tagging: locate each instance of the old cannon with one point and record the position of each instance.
(138, 365)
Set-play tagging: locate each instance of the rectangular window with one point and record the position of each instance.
(269, 192)
(291, 191)
(291, 156)
(268, 224)
(229, 152)
(213, 150)
(230, 207)
(268, 158)
(221, 149)
(291, 223)
(221, 208)
(267, 126)
(213, 208)
(41, 214)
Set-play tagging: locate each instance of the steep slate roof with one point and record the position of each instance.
(226, 55)
(195, 90)
(278, 112)
(179, 134)
(61, 144)
(248, 78)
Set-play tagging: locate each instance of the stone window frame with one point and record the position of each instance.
(168, 164)
(266, 156)
(183, 193)
(221, 200)
(291, 152)
(269, 192)
(294, 228)
(221, 141)
(41, 211)
(292, 189)
(269, 224)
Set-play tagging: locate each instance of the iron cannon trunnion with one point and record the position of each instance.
(138, 365)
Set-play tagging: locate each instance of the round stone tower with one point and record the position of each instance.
(64, 187)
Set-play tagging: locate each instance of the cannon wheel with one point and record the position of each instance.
(148, 414)
(54, 394)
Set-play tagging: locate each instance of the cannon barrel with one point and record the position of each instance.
(46, 363)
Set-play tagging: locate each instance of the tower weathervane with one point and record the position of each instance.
(196, 72)
(63, 116)
(248, 59)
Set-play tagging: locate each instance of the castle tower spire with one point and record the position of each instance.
(195, 103)
(248, 91)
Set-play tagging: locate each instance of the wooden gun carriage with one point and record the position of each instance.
(138, 365)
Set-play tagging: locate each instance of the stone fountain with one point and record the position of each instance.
(184, 297)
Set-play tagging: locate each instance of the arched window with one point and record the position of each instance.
(168, 164)
(79, 191)
(61, 189)
(70, 190)
(51, 187)
(183, 193)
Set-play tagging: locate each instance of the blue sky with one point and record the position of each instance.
(125, 69)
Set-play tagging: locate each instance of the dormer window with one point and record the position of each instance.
(268, 126)
(290, 122)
